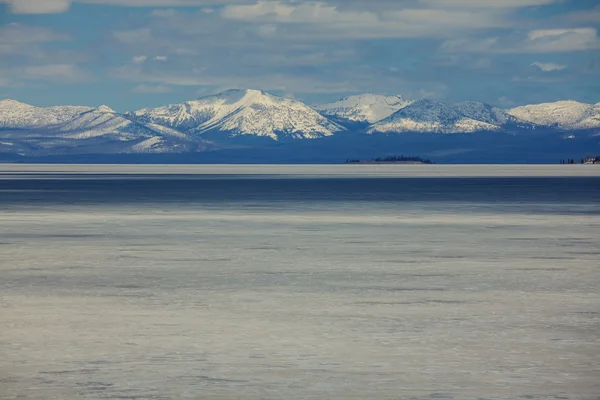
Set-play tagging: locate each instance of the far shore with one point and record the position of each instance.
(204, 171)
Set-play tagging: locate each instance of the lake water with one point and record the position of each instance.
(314, 282)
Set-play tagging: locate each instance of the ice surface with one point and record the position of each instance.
(8, 171)
(326, 300)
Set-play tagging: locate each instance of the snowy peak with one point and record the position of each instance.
(568, 115)
(56, 130)
(429, 116)
(104, 121)
(242, 112)
(364, 108)
(105, 109)
(17, 115)
(485, 113)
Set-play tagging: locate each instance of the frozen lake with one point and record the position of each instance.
(308, 282)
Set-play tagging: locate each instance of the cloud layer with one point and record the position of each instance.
(506, 51)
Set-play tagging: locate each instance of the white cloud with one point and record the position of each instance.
(139, 59)
(558, 40)
(134, 36)
(55, 72)
(150, 89)
(161, 58)
(536, 41)
(58, 6)
(548, 67)
(469, 45)
(37, 74)
(38, 6)
(553, 33)
(55, 6)
(487, 3)
(282, 80)
(24, 58)
(267, 30)
(585, 16)
(324, 20)
(20, 34)
(536, 79)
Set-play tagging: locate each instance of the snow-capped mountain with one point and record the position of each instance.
(27, 130)
(364, 108)
(242, 112)
(490, 114)
(566, 115)
(427, 116)
(103, 121)
(97, 130)
(14, 114)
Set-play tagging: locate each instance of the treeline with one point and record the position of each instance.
(588, 160)
(393, 159)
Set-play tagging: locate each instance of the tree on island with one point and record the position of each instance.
(394, 159)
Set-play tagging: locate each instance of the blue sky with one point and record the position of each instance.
(130, 54)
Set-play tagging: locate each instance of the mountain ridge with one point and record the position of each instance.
(364, 108)
(218, 121)
(242, 112)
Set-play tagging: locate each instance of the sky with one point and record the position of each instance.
(130, 54)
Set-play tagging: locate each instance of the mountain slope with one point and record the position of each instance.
(28, 131)
(567, 115)
(17, 115)
(97, 130)
(491, 115)
(428, 116)
(104, 121)
(242, 112)
(364, 108)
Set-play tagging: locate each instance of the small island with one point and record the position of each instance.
(392, 160)
(588, 160)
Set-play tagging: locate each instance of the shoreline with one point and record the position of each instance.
(20, 171)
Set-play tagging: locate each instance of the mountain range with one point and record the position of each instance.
(243, 125)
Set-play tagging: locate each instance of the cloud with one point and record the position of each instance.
(59, 6)
(139, 59)
(535, 41)
(281, 80)
(56, 6)
(29, 54)
(38, 6)
(161, 58)
(548, 67)
(553, 33)
(469, 45)
(536, 79)
(50, 73)
(585, 16)
(134, 36)
(326, 21)
(20, 34)
(151, 89)
(558, 40)
(66, 73)
(498, 4)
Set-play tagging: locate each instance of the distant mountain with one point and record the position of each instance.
(77, 129)
(566, 115)
(491, 115)
(242, 112)
(103, 121)
(364, 108)
(427, 116)
(14, 114)
(254, 126)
